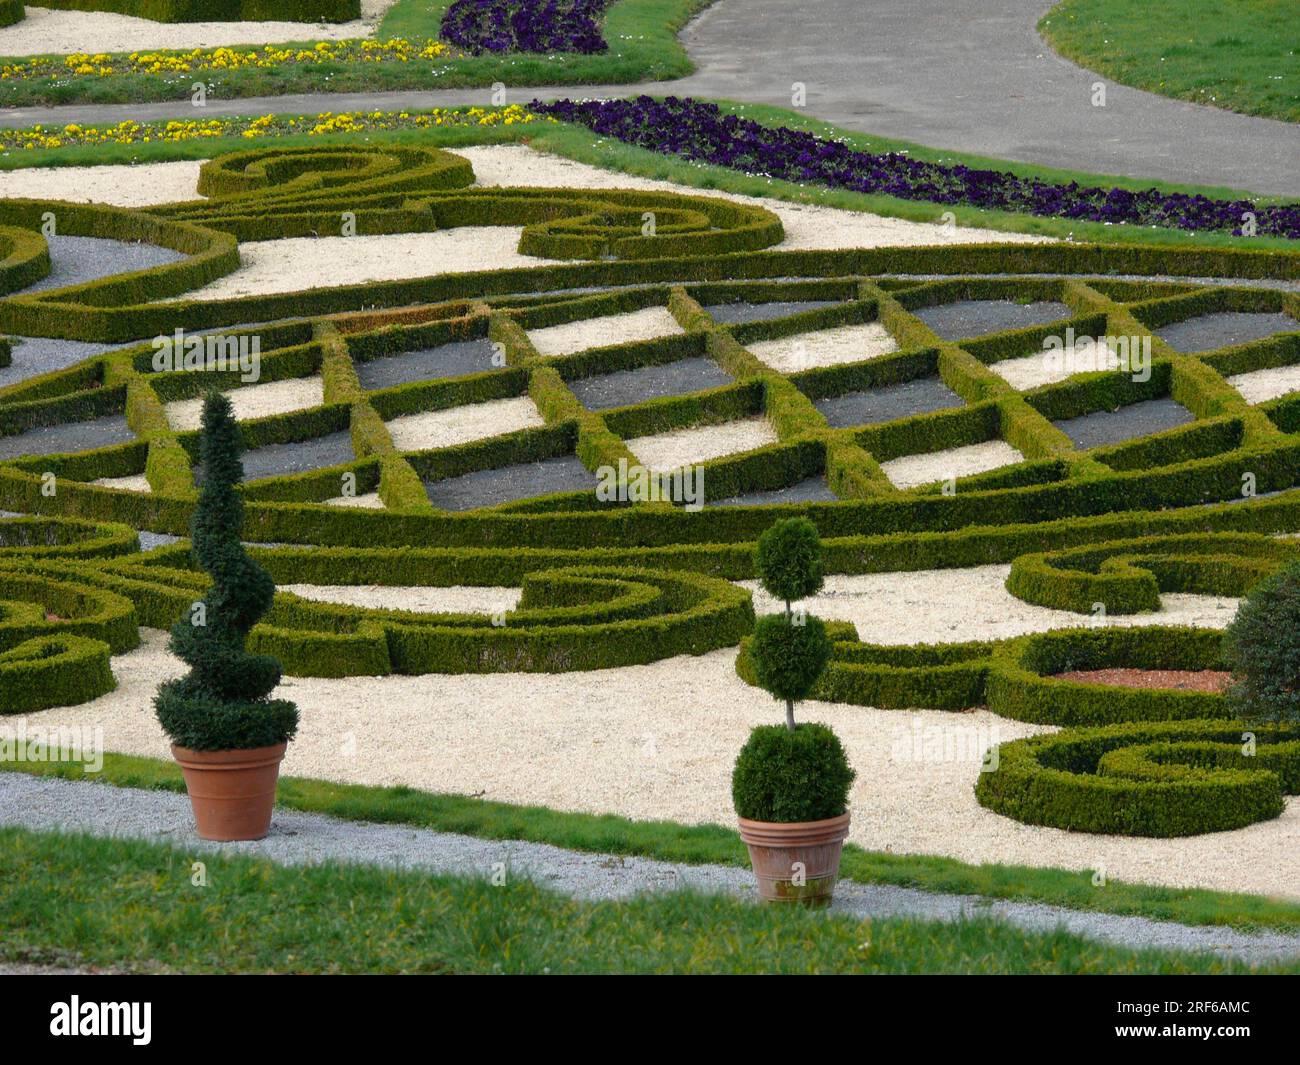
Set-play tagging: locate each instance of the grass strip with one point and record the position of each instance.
(709, 844)
(134, 905)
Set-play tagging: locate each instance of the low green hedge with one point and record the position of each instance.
(74, 607)
(1170, 778)
(50, 671)
(1128, 576)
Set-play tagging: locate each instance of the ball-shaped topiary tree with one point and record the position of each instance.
(789, 651)
(222, 703)
(1263, 645)
(791, 773)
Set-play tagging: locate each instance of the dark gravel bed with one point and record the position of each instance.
(889, 403)
(276, 460)
(1248, 282)
(625, 387)
(735, 313)
(71, 436)
(1224, 329)
(976, 318)
(75, 260)
(446, 360)
(486, 488)
(810, 490)
(33, 356)
(1127, 423)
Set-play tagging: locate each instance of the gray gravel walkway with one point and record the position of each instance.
(971, 78)
(301, 838)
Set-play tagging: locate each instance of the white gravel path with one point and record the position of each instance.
(313, 262)
(457, 599)
(459, 425)
(658, 741)
(298, 838)
(645, 324)
(1048, 367)
(807, 226)
(63, 32)
(136, 483)
(366, 501)
(825, 347)
(1263, 385)
(141, 185)
(913, 470)
(955, 605)
(687, 447)
(253, 401)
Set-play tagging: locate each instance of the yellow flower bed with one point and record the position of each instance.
(175, 131)
(204, 60)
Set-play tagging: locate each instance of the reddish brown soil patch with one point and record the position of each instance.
(1187, 680)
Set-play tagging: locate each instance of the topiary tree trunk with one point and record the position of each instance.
(222, 703)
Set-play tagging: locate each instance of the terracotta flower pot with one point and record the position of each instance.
(796, 862)
(232, 792)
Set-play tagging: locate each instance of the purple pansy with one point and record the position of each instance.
(702, 133)
(498, 26)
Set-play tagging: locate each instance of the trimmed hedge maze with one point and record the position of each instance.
(519, 427)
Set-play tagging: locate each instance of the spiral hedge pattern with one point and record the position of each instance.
(607, 583)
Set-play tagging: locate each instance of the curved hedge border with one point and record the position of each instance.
(1127, 577)
(569, 618)
(53, 671)
(1176, 778)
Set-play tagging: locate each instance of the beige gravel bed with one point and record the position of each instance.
(1263, 385)
(807, 226)
(63, 32)
(955, 605)
(645, 324)
(460, 425)
(913, 470)
(366, 501)
(457, 599)
(1049, 367)
(313, 262)
(687, 447)
(253, 401)
(136, 483)
(119, 185)
(658, 741)
(825, 347)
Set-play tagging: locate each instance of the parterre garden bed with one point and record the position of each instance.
(613, 579)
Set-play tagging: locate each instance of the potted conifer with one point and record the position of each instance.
(791, 782)
(227, 734)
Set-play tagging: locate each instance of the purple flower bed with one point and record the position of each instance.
(499, 26)
(700, 132)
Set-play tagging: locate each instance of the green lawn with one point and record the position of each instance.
(712, 844)
(1236, 54)
(582, 145)
(642, 37)
(77, 900)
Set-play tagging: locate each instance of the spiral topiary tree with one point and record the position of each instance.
(223, 702)
(790, 773)
(1263, 645)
